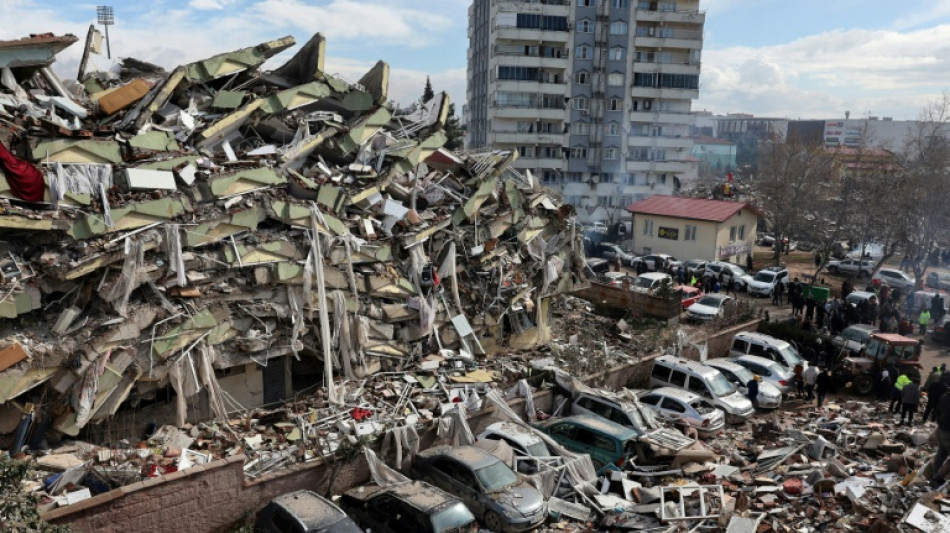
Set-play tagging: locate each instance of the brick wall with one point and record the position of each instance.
(211, 498)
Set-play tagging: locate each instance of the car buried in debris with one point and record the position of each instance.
(501, 500)
(303, 511)
(417, 507)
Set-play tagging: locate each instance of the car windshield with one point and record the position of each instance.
(743, 374)
(711, 301)
(538, 449)
(720, 386)
(791, 355)
(737, 271)
(645, 283)
(452, 518)
(856, 334)
(764, 276)
(496, 476)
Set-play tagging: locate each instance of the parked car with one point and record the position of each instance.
(709, 307)
(871, 251)
(765, 280)
(770, 371)
(651, 281)
(854, 337)
(690, 294)
(703, 380)
(611, 252)
(417, 507)
(683, 407)
(600, 227)
(651, 261)
(894, 279)
(695, 267)
(857, 297)
(762, 345)
(770, 397)
(595, 265)
(935, 281)
(523, 441)
(491, 490)
(617, 279)
(728, 271)
(301, 511)
(609, 444)
(851, 266)
(925, 299)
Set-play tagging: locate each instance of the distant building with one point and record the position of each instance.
(719, 154)
(693, 228)
(594, 95)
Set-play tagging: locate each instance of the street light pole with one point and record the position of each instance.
(106, 18)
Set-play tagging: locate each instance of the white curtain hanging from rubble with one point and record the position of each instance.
(381, 473)
(403, 441)
(342, 319)
(317, 254)
(176, 261)
(454, 429)
(85, 396)
(210, 381)
(128, 279)
(87, 179)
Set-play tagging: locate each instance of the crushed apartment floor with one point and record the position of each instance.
(160, 229)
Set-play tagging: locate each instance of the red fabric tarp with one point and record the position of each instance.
(25, 180)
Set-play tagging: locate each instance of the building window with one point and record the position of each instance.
(626, 200)
(618, 28)
(584, 26)
(549, 176)
(690, 233)
(574, 177)
(580, 128)
(648, 227)
(580, 103)
(615, 79)
(732, 234)
(613, 129)
(615, 104)
(582, 52)
(610, 153)
(582, 78)
(666, 6)
(579, 152)
(526, 127)
(603, 201)
(620, 4)
(617, 53)
(742, 232)
(585, 3)
(630, 179)
(526, 151)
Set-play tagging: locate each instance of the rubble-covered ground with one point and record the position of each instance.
(161, 229)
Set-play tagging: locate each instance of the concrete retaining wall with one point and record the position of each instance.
(210, 498)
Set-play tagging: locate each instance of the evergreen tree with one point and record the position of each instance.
(18, 512)
(428, 93)
(453, 131)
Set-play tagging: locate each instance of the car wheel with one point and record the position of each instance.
(833, 269)
(863, 274)
(492, 521)
(863, 384)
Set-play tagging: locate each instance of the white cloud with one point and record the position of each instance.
(937, 10)
(888, 72)
(210, 4)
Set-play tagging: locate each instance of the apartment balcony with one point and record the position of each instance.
(667, 68)
(511, 137)
(663, 117)
(542, 163)
(679, 39)
(666, 167)
(522, 86)
(531, 34)
(527, 113)
(685, 17)
(557, 8)
(664, 93)
(660, 141)
(521, 60)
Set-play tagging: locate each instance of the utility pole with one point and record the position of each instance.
(106, 18)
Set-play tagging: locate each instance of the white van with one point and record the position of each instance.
(762, 345)
(670, 371)
(651, 281)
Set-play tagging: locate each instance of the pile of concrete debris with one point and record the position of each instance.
(285, 231)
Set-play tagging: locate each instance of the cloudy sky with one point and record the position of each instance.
(800, 59)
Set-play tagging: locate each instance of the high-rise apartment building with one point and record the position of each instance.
(595, 95)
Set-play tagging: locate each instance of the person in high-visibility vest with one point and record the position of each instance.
(897, 401)
(923, 320)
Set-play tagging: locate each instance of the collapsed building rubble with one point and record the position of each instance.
(164, 230)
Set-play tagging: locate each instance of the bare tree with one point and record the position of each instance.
(923, 192)
(793, 187)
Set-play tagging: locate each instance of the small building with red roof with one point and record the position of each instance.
(694, 228)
